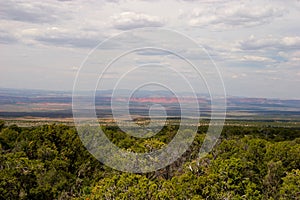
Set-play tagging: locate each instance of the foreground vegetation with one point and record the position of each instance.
(50, 162)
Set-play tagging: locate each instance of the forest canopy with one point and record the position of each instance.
(50, 162)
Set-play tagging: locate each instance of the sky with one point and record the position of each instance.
(254, 44)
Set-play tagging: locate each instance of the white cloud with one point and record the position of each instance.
(292, 59)
(256, 58)
(236, 76)
(131, 20)
(291, 41)
(253, 43)
(60, 23)
(65, 37)
(233, 14)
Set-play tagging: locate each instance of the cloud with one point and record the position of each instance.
(40, 28)
(253, 43)
(58, 36)
(234, 14)
(292, 59)
(236, 76)
(256, 58)
(7, 38)
(291, 41)
(28, 11)
(131, 20)
(69, 41)
(153, 52)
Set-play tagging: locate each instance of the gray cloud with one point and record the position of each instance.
(7, 38)
(27, 12)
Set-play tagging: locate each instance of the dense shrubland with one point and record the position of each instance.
(50, 162)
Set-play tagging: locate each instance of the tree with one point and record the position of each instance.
(290, 188)
(2, 123)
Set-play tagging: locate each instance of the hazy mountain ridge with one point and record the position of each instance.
(58, 104)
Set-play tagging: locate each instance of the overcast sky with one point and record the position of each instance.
(255, 44)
